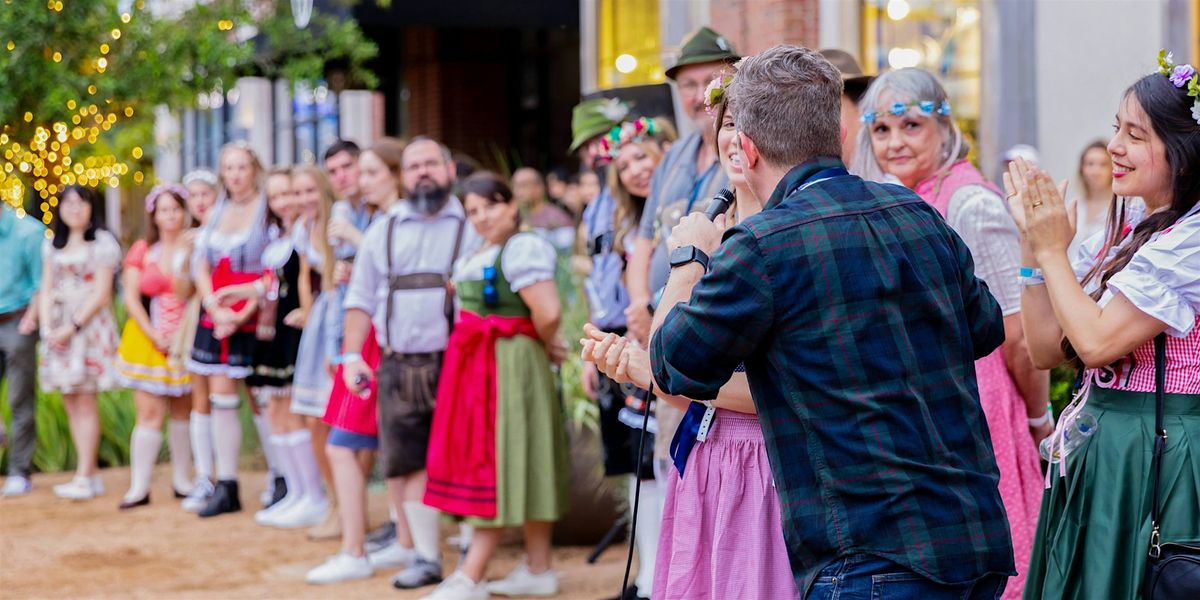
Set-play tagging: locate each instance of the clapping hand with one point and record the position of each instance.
(1039, 208)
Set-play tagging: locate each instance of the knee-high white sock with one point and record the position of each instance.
(645, 537)
(202, 444)
(143, 453)
(423, 523)
(181, 454)
(264, 441)
(279, 441)
(227, 440)
(305, 462)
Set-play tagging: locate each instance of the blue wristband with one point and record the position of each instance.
(1030, 276)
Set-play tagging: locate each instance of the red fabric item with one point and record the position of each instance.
(224, 276)
(461, 468)
(349, 411)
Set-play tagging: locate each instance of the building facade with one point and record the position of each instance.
(1048, 73)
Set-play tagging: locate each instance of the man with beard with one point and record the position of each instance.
(400, 284)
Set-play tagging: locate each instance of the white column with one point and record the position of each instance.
(284, 146)
(168, 158)
(357, 117)
(251, 103)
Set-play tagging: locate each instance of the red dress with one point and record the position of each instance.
(349, 411)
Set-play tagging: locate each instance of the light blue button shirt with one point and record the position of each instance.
(21, 246)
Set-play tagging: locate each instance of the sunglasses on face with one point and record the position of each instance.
(491, 296)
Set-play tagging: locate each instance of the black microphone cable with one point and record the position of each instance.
(637, 490)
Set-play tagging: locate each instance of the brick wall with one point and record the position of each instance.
(755, 25)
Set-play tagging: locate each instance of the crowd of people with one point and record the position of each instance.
(837, 386)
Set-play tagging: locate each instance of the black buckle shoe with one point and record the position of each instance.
(224, 500)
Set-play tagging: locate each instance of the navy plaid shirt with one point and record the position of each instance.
(858, 315)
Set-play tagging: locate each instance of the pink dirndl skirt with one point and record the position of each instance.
(722, 533)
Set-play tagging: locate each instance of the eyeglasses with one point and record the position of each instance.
(491, 296)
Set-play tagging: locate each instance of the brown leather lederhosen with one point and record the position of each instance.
(408, 381)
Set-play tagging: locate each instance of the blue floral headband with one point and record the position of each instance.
(899, 109)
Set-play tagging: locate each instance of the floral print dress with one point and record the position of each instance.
(87, 365)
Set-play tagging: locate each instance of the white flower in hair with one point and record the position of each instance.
(1196, 111)
(614, 110)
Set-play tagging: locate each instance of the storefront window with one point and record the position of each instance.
(629, 51)
(941, 36)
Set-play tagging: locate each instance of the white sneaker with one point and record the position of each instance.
(306, 512)
(15, 485)
(342, 566)
(459, 587)
(521, 582)
(79, 488)
(268, 515)
(392, 557)
(202, 490)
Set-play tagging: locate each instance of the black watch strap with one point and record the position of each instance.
(688, 254)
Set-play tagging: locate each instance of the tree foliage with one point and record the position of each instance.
(68, 65)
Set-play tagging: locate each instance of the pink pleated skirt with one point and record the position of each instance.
(722, 536)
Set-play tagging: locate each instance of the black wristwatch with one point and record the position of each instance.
(687, 254)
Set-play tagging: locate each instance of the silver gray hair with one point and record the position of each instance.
(788, 100)
(906, 86)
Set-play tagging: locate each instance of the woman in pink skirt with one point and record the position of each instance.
(722, 533)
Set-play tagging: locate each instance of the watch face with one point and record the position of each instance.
(681, 256)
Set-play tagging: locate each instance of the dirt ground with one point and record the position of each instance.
(55, 548)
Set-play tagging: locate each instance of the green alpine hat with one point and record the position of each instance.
(594, 117)
(704, 46)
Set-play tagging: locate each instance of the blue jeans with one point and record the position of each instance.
(866, 577)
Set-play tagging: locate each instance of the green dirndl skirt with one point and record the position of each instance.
(532, 457)
(1093, 533)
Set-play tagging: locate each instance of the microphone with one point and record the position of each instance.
(720, 203)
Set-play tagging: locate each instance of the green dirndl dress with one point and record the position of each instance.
(1093, 533)
(532, 455)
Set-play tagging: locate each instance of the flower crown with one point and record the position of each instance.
(714, 94)
(630, 131)
(1182, 77)
(926, 107)
(171, 188)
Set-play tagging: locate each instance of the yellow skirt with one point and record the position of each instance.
(140, 366)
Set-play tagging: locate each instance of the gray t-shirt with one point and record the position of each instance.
(676, 190)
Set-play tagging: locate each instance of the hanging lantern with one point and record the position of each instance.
(301, 12)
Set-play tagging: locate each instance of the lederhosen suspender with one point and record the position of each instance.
(419, 281)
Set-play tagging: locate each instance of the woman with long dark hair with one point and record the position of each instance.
(1103, 310)
(79, 334)
(159, 385)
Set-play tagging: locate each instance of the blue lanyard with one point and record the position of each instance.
(822, 175)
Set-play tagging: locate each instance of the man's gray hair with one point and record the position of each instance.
(788, 101)
(906, 86)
